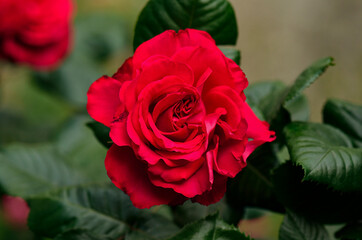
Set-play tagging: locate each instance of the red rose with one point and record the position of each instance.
(36, 32)
(178, 119)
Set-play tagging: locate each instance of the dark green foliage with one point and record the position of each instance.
(100, 209)
(295, 227)
(306, 78)
(279, 105)
(98, 38)
(352, 231)
(190, 212)
(216, 17)
(326, 155)
(27, 171)
(345, 116)
(315, 202)
(267, 96)
(241, 193)
(101, 132)
(232, 53)
(210, 228)
(74, 157)
(79, 234)
(80, 149)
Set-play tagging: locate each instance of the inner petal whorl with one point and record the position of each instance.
(172, 111)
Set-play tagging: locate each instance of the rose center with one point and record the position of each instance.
(184, 107)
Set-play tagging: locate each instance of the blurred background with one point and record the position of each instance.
(278, 39)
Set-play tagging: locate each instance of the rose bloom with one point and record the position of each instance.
(36, 32)
(178, 120)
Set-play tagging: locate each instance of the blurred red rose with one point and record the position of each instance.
(178, 119)
(16, 210)
(36, 32)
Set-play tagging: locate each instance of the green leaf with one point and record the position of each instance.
(326, 155)
(295, 227)
(299, 109)
(99, 209)
(191, 212)
(100, 35)
(151, 226)
(306, 78)
(98, 38)
(79, 234)
(260, 193)
(29, 114)
(216, 17)
(350, 231)
(345, 116)
(27, 171)
(81, 150)
(101, 132)
(281, 105)
(314, 201)
(71, 81)
(232, 53)
(15, 127)
(210, 228)
(163, 210)
(267, 96)
(74, 158)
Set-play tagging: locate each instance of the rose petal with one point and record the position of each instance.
(127, 95)
(201, 81)
(212, 119)
(257, 130)
(144, 125)
(103, 99)
(198, 183)
(227, 158)
(118, 132)
(240, 80)
(157, 67)
(163, 44)
(227, 98)
(168, 42)
(164, 120)
(141, 149)
(124, 73)
(181, 134)
(175, 174)
(194, 37)
(129, 174)
(215, 194)
(203, 60)
(164, 143)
